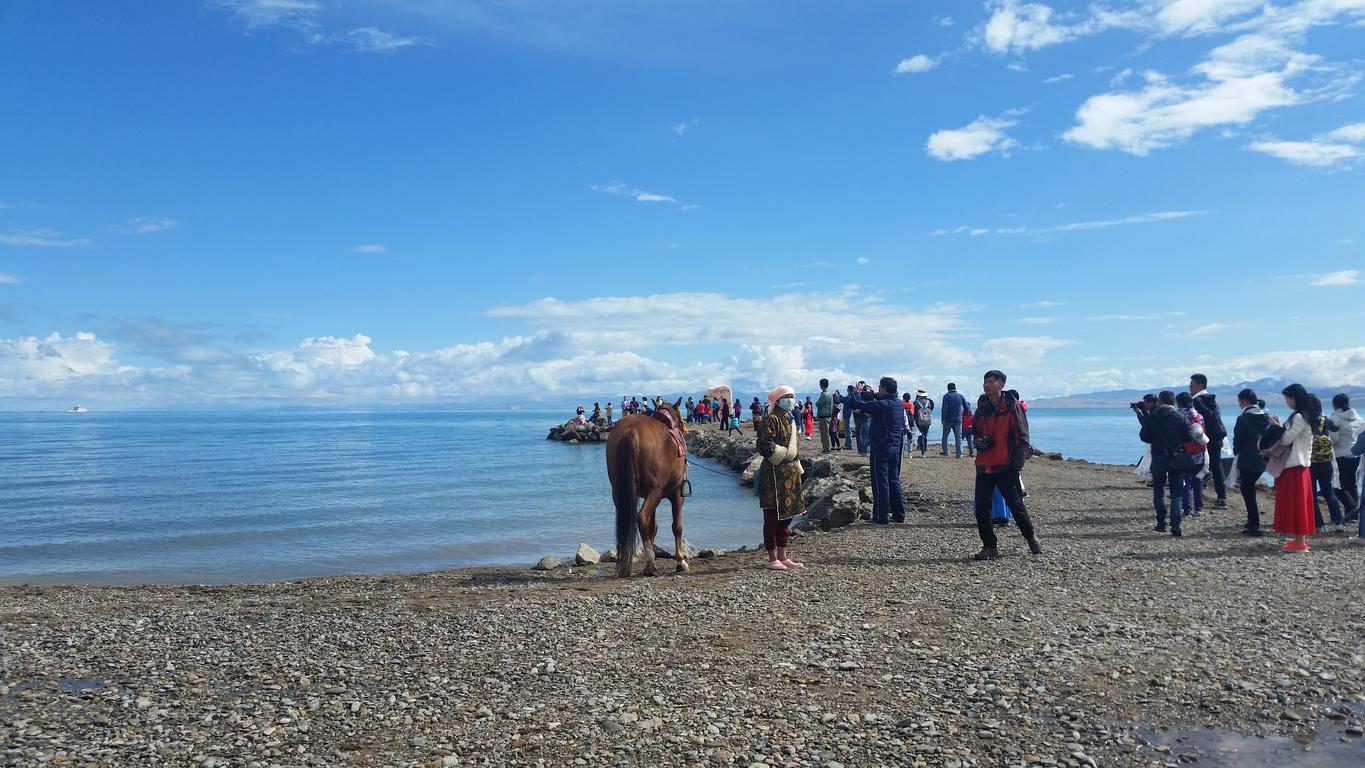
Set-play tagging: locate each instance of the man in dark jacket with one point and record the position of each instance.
(950, 410)
(1166, 431)
(1207, 406)
(1246, 440)
(886, 433)
(824, 411)
(1002, 446)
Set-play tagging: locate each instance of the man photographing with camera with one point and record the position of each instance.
(1002, 446)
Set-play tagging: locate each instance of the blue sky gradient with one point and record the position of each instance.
(331, 202)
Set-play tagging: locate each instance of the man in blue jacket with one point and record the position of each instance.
(950, 415)
(886, 432)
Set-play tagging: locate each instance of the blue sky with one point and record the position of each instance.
(353, 201)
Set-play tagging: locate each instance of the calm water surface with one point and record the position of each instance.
(231, 497)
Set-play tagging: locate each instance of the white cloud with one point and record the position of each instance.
(861, 260)
(1077, 226)
(916, 63)
(9, 279)
(946, 21)
(981, 136)
(1262, 69)
(56, 359)
(1018, 27)
(1059, 78)
(372, 40)
(256, 14)
(306, 17)
(1314, 154)
(42, 238)
(1353, 133)
(144, 225)
(1203, 330)
(1328, 150)
(618, 188)
(1198, 16)
(1344, 277)
(682, 128)
(1122, 318)
(370, 248)
(1044, 304)
(1037, 320)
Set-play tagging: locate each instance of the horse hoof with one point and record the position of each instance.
(682, 568)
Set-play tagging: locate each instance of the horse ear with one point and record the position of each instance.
(678, 404)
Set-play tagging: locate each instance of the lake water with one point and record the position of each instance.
(257, 496)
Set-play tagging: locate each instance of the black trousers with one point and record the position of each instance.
(1220, 485)
(1346, 471)
(1008, 483)
(1247, 482)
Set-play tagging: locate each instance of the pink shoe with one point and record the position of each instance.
(776, 565)
(792, 565)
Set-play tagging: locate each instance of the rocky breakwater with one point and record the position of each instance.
(837, 489)
(575, 431)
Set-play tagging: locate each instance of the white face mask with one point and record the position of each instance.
(786, 403)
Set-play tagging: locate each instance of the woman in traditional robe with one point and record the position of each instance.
(778, 480)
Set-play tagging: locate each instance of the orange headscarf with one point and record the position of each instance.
(777, 394)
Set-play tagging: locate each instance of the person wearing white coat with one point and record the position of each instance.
(1348, 427)
(1290, 448)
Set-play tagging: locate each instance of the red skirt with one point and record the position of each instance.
(1294, 502)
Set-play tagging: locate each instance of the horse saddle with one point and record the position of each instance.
(674, 430)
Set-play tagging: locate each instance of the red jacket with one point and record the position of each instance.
(1008, 427)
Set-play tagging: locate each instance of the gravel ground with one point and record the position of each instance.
(1116, 646)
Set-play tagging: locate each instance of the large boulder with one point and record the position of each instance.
(752, 469)
(822, 468)
(547, 563)
(844, 508)
(586, 555)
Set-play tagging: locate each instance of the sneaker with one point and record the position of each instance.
(1001, 522)
(1220, 504)
(1294, 546)
(1035, 547)
(1252, 532)
(1176, 533)
(1357, 541)
(1160, 528)
(987, 553)
(792, 565)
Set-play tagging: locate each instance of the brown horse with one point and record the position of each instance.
(643, 463)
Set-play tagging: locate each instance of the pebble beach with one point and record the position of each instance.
(1117, 646)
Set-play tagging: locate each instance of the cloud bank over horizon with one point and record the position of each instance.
(601, 348)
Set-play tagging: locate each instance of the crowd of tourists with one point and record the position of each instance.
(1312, 456)
(883, 423)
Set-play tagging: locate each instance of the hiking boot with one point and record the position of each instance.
(1176, 533)
(1220, 504)
(1160, 528)
(988, 553)
(1035, 547)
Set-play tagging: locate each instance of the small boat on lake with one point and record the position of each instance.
(78, 409)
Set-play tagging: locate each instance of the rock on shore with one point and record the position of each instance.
(574, 431)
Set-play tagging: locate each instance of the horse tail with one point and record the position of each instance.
(626, 497)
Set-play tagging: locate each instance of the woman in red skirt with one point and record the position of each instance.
(1293, 486)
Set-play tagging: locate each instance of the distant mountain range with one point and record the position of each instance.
(1267, 389)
